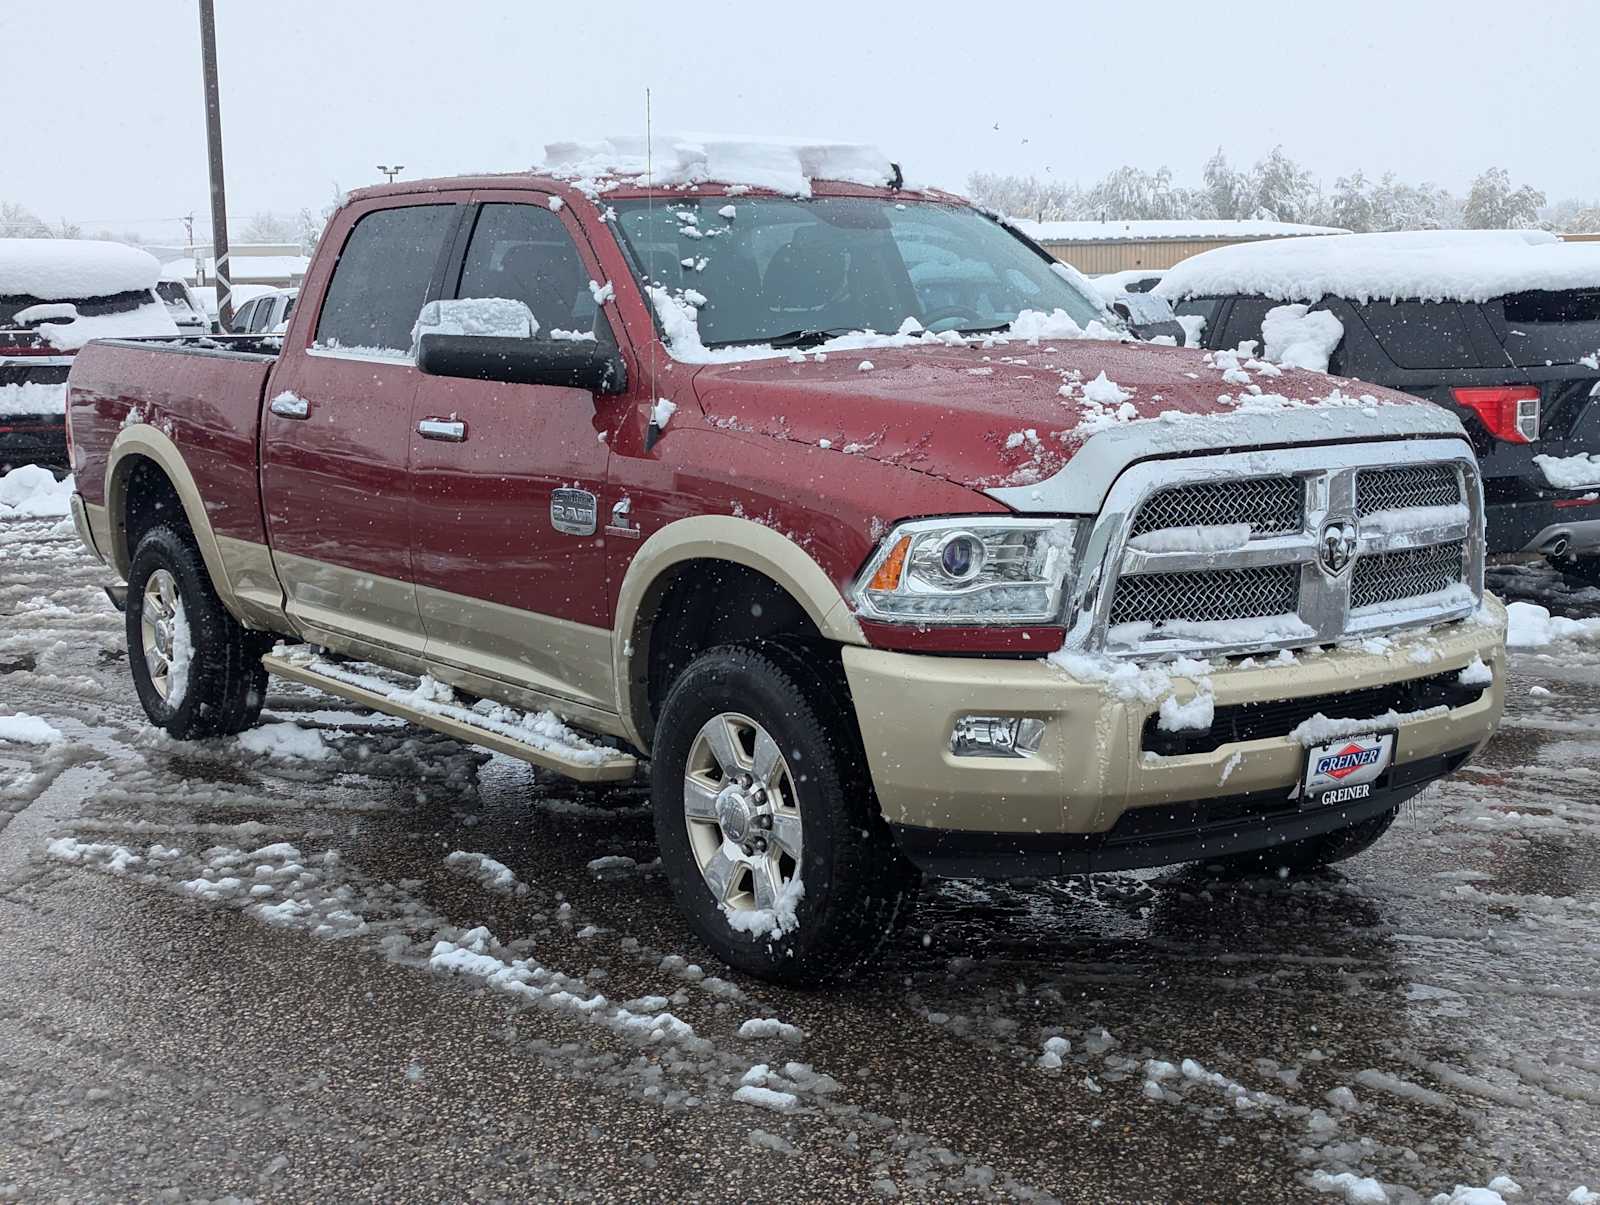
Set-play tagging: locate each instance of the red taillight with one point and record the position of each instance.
(1511, 412)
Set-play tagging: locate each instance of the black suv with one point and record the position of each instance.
(1521, 371)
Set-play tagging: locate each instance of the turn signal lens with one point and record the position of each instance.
(1511, 412)
(888, 575)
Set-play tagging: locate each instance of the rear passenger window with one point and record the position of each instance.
(381, 280)
(524, 253)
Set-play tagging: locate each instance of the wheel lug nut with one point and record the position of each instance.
(749, 849)
(764, 821)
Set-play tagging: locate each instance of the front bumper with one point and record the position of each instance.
(1094, 797)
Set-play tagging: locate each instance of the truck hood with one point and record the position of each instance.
(1008, 417)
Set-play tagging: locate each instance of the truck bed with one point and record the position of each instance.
(202, 393)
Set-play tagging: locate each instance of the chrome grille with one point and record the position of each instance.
(1399, 578)
(1271, 505)
(1403, 488)
(1207, 595)
(1387, 577)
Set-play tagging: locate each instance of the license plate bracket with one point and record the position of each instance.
(1348, 769)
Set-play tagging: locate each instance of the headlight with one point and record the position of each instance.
(979, 570)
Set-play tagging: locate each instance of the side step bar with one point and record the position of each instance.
(578, 758)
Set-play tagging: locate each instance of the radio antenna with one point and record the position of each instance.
(650, 244)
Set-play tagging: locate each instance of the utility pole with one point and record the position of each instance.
(219, 197)
(392, 172)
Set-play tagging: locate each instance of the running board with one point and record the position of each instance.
(567, 752)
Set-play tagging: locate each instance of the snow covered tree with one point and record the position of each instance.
(1283, 190)
(1024, 196)
(1132, 194)
(267, 227)
(1354, 204)
(1493, 205)
(1226, 192)
(1572, 216)
(18, 222)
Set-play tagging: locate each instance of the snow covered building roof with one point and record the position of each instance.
(1427, 265)
(277, 271)
(55, 269)
(1182, 228)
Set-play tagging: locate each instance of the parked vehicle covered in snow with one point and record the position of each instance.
(56, 295)
(1501, 327)
(883, 576)
(265, 315)
(183, 306)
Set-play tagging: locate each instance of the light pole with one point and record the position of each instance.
(219, 199)
(392, 172)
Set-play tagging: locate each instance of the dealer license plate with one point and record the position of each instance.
(1347, 769)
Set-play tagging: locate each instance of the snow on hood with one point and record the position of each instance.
(55, 269)
(785, 165)
(1010, 416)
(1426, 265)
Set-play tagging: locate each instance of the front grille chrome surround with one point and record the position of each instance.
(1279, 589)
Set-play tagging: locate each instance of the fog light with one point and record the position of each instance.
(996, 736)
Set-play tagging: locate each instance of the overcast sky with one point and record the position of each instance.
(105, 120)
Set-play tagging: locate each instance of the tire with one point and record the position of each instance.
(1310, 854)
(857, 887)
(226, 682)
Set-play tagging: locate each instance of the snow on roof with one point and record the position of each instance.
(1182, 228)
(785, 165)
(1428, 265)
(57, 269)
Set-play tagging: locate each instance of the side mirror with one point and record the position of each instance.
(573, 363)
(1148, 316)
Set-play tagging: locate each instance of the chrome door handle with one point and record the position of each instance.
(438, 428)
(286, 405)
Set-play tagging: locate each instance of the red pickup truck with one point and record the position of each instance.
(839, 502)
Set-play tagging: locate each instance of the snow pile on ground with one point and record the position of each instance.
(1530, 626)
(771, 922)
(1297, 338)
(1357, 1190)
(31, 492)
(496, 876)
(771, 1027)
(67, 269)
(784, 165)
(31, 398)
(484, 317)
(25, 729)
(1578, 472)
(1427, 265)
(285, 740)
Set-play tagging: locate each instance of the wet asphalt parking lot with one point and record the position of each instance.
(236, 975)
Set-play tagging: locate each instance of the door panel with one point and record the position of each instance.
(335, 470)
(500, 589)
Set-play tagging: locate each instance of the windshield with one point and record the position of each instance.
(775, 267)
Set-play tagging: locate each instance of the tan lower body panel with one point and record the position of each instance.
(618, 769)
(542, 653)
(1091, 766)
(375, 610)
(257, 596)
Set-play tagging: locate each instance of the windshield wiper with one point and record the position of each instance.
(809, 336)
(982, 330)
